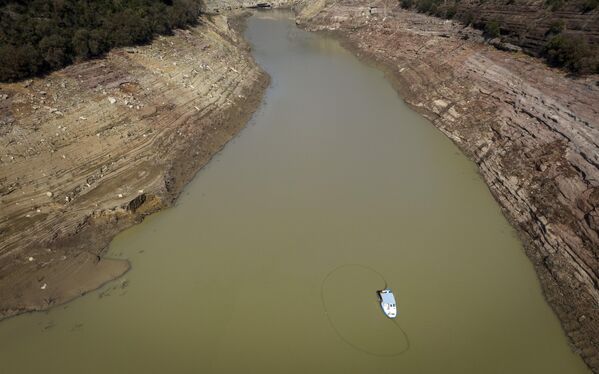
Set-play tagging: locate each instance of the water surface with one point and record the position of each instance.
(240, 276)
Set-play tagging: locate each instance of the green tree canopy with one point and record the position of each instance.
(38, 36)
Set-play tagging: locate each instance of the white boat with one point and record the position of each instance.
(388, 304)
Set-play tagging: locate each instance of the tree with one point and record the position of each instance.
(572, 52)
(492, 29)
(18, 62)
(80, 43)
(98, 42)
(53, 48)
(37, 36)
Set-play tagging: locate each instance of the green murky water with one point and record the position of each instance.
(334, 169)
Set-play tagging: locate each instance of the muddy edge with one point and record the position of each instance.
(92, 149)
(532, 131)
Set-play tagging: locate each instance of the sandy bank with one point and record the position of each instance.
(90, 150)
(532, 131)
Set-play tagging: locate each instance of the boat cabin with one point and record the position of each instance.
(388, 303)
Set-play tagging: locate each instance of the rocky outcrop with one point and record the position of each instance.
(93, 148)
(218, 6)
(530, 23)
(532, 131)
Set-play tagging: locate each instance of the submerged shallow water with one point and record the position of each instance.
(246, 275)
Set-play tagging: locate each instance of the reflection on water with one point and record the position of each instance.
(334, 169)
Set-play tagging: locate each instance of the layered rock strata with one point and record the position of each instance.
(91, 149)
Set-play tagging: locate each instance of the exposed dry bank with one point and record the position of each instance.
(533, 132)
(93, 148)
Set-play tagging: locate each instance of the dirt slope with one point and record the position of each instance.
(91, 149)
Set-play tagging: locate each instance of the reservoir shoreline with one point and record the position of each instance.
(141, 122)
(521, 137)
(553, 203)
(298, 194)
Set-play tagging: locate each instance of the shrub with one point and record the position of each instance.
(468, 18)
(573, 53)
(53, 49)
(432, 7)
(406, 4)
(80, 43)
(424, 6)
(554, 4)
(98, 42)
(555, 27)
(451, 12)
(589, 5)
(18, 62)
(492, 29)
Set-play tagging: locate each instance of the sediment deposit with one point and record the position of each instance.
(90, 150)
(533, 131)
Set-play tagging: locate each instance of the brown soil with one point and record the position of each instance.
(532, 131)
(90, 150)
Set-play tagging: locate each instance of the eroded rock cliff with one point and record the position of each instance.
(530, 23)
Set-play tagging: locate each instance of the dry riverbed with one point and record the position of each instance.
(90, 150)
(532, 130)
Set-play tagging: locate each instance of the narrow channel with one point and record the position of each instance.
(240, 277)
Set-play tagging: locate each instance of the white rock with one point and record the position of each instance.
(441, 103)
(43, 287)
(49, 194)
(453, 112)
(111, 100)
(120, 195)
(30, 259)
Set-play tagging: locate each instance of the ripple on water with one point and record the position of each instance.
(351, 305)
